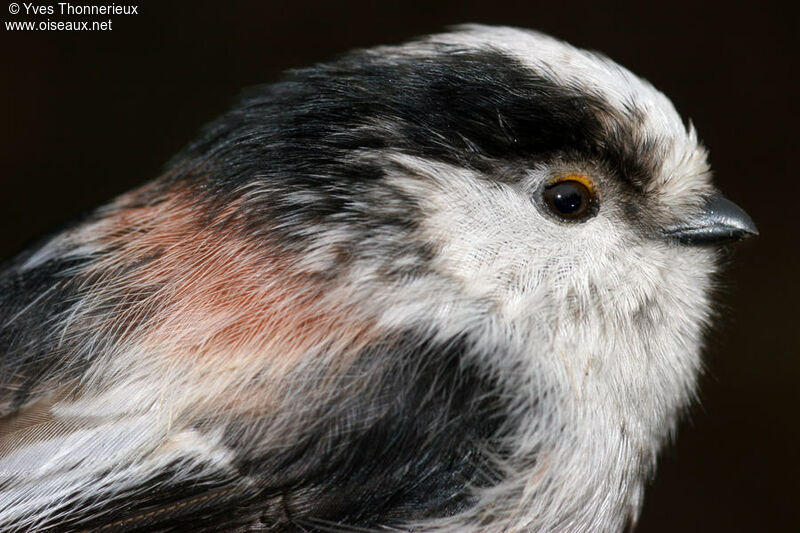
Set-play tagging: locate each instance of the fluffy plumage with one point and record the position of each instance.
(345, 308)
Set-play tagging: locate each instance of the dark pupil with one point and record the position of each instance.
(569, 199)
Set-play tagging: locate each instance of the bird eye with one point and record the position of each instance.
(571, 198)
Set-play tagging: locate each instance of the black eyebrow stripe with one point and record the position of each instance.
(479, 109)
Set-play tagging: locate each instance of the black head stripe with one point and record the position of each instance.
(477, 109)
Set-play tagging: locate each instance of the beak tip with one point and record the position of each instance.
(751, 231)
(730, 214)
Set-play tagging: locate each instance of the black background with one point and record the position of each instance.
(88, 115)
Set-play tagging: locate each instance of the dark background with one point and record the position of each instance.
(89, 115)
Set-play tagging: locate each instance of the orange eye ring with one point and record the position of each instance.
(571, 198)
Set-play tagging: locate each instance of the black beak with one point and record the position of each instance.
(721, 221)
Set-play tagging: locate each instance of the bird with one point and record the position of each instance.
(459, 284)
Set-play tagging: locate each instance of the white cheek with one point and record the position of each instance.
(618, 317)
(496, 242)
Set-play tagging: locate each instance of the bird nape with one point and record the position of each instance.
(459, 284)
